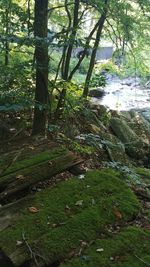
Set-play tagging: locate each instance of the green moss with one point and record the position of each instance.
(129, 248)
(82, 150)
(72, 211)
(26, 167)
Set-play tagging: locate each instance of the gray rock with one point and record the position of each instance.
(116, 152)
(146, 114)
(137, 150)
(126, 115)
(122, 130)
(135, 147)
(140, 125)
(98, 93)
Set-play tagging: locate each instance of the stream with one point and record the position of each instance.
(125, 94)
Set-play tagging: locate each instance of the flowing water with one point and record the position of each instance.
(125, 94)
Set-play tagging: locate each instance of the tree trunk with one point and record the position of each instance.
(41, 55)
(66, 38)
(95, 47)
(84, 51)
(71, 40)
(7, 32)
(29, 17)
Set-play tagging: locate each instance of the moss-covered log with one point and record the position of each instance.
(68, 218)
(27, 151)
(28, 172)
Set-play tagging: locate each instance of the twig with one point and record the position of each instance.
(146, 263)
(32, 254)
(57, 7)
(10, 164)
(16, 134)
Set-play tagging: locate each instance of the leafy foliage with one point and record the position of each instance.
(98, 80)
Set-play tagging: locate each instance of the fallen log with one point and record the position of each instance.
(8, 159)
(28, 172)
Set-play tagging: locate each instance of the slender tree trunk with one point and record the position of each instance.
(6, 42)
(29, 17)
(6, 53)
(66, 38)
(84, 51)
(71, 39)
(41, 55)
(63, 60)
(95, 47)
(67, 51)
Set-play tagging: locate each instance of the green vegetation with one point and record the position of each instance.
(108, 66)
(128, 248)
(67, 32)
(49, 60)
(75, 210)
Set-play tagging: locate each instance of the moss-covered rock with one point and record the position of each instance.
(94, 129)
(72, 211)
(135, 146)
(141, 126)
(122, 130)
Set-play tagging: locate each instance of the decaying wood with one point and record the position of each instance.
(25, 170)
(18, 182)
(27, 150)
(11, 212)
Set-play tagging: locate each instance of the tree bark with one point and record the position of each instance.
(84, 51)
(94, 50)
(41, 55)
(29, 17)
(71, 39)
(7, 32)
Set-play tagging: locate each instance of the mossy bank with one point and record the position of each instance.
(74, 219)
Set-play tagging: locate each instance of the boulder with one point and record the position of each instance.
(135, 146)
(141, 127)
(94, 129)
(137, 150)
(125, 115)
(116, 152)
(122, 130)
(146, 114)
(102, 110)
(98, 93)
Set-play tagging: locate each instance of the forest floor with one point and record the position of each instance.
(93, 212)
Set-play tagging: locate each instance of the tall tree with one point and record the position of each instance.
(41, 55)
